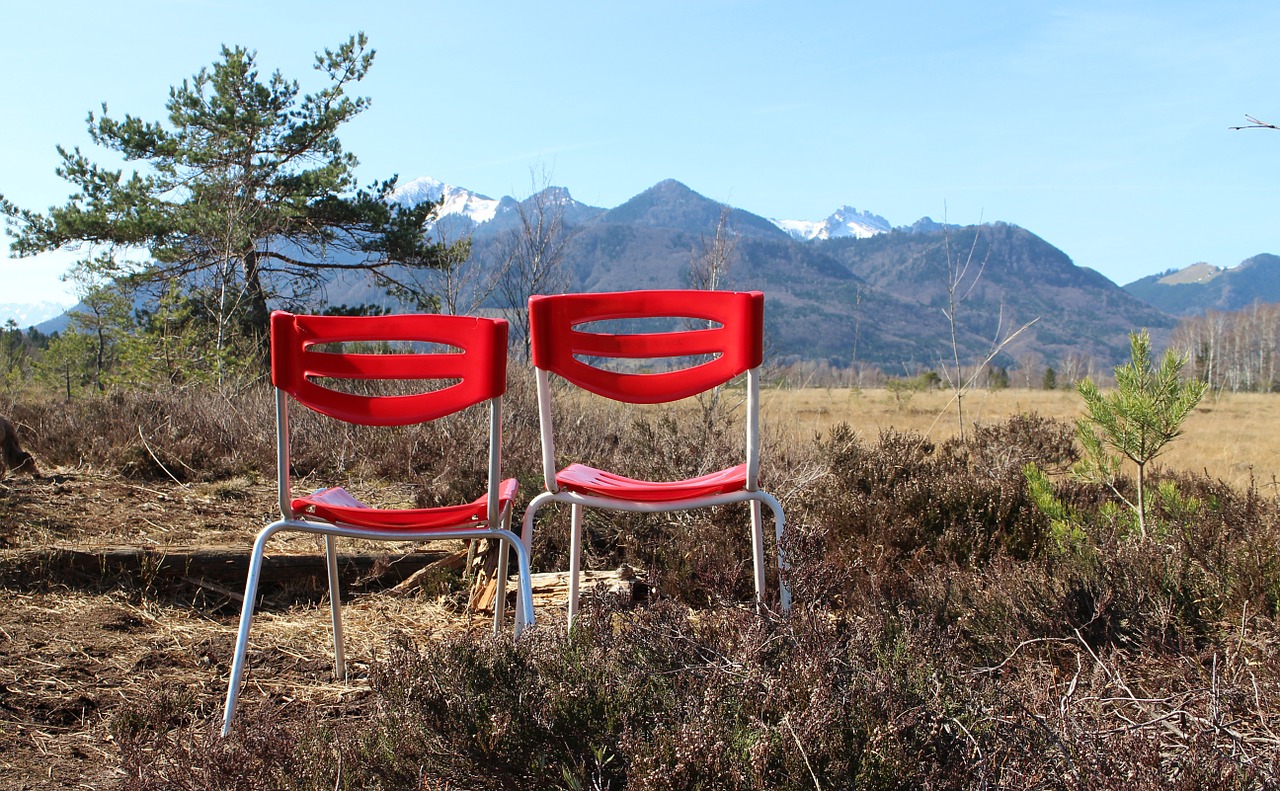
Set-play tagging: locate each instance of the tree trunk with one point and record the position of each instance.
(258, 318)
(1142, 501)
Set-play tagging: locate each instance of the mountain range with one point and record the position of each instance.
(847, 289)
(1196, 289)
(30, 314)
(475, 209)
(851, 288)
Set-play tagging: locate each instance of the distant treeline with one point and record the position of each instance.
(1233, 350)
(1229, 350)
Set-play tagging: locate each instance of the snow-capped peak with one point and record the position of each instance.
(29, 314)
(454, 200)
(845, 221)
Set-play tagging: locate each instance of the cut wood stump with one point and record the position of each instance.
(551, 589)
(410, 584)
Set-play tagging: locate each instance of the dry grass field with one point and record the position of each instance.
(1228, 437)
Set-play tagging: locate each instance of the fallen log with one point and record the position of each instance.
(223, 567)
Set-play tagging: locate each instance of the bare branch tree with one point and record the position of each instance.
(709, 264)
(855, 373)
(465, 284)
(957, 292)
(711, 260)
(460, 284)
(956, 273)
(530, 257)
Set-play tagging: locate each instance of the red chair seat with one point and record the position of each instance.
(336, 504)
(589, 480)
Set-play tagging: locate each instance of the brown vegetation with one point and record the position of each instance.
(949, 633)
(12, 455)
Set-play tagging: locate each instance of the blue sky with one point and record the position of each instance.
(1101, 126)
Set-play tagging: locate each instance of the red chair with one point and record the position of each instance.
(563, 345)
(464, 360)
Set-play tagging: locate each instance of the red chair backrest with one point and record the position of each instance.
(477, 360)
(737, 345)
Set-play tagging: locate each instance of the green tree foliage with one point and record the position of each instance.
(1137, 419)
(170, 344)
(18, 350)
(244, 198)
(66, 364)
(19, 353)
(1066, 536)
(105, 318)
(12, 351)
(903, 388)
(1050, 381)
(998, 377)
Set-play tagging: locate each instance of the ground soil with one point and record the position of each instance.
(80, 645)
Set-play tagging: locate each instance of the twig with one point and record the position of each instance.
(1100, 663)
(1255, 123)
(213, 587)
(156, 459)
(787, 722)
(1153, 721)
(1018, 648)
(1065, 702)
(977, 748)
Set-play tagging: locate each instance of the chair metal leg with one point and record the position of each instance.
(246, 621)
(335, 608)
(526, 547)
(779, 524)
(500, 598)
(757, 550)
(524, 610)
(530, 514)
(575, 559)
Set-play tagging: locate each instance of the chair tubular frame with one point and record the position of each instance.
(564, 358)
(495, 525)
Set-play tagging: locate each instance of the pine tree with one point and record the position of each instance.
(1137, 419)
(245, 193)
(1050, 381)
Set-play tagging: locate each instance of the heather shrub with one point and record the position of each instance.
(269, 750)
(207, 434)
(944, 635)
(668, 698)
(945, 531)
(882, 510)
(998, 448)
(657, 699)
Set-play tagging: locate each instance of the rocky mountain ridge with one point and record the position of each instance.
(1201, 287)
(872, 296)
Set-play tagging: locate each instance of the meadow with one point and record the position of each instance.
(949, 633)
(1225, 438)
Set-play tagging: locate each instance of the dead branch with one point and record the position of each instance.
(1255, 123)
